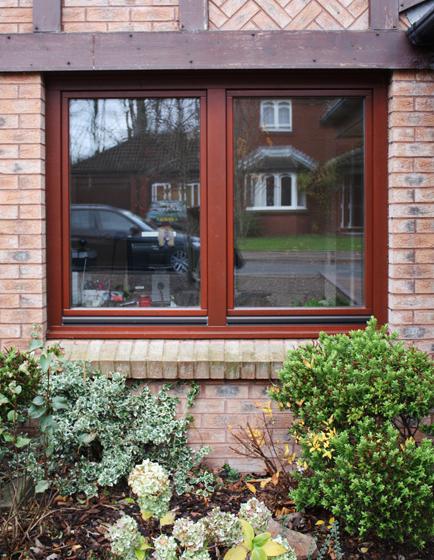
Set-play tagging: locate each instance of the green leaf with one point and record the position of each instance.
(46, 423)
(86, 438)
(248, 533)
(261, 539)
(36, 345)
(258, 554)
(272, 548)
(140, 554)
(238, 552)
(59, 403)
(12, 416)
(3, 399)
(38, 401)
(22, 442)
(42, 486)
(36, 412)
(44, 363)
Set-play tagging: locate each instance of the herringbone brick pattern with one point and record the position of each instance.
(288, 14)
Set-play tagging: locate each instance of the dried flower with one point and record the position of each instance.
(256, 513)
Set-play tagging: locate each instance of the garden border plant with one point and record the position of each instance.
(359, 400)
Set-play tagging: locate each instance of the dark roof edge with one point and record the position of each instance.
(421, 33)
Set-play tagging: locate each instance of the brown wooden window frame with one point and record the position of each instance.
(217, 317)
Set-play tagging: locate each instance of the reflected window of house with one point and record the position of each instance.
(278, 191)
(276, 114)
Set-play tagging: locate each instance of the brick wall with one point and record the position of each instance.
(120, 15)
(22, 216)
(224, 408)
(288, 14)
(16, 16)
(411, 207)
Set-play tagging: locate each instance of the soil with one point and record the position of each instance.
(76, 528)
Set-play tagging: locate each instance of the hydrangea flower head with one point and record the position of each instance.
(256, 513)
(190, 535)
(151, 484)
(223, 528)
(165, 548)
(125, 537)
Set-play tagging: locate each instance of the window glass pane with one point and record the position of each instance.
(284, 114)
(268, 114)
(286, 190)
(310, 255)
(135, 237)
(269, 185)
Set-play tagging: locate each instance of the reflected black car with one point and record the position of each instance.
(109, 238)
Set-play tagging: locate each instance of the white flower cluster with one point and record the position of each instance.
(290, 554)
(223, 528)
(125, 537)
(256, 513)
(165, 548)
(151, 484)
(190, 535)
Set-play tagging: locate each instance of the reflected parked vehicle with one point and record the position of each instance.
(108, 238)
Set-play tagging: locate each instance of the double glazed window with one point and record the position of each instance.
(208, 211)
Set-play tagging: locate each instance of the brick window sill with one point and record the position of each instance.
(183, 359)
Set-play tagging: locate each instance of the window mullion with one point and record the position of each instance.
(217, 207)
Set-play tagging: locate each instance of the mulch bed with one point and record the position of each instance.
(76, 529)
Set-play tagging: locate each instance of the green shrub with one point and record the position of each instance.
(19, 380)
(359, 400)
(103, 429)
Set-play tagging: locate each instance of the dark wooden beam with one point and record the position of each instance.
(48, 52)
(384, 14)
(47, 16)
(193, 15)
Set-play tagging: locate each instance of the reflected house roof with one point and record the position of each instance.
(352, 158)
(277, 157)
(163, 156)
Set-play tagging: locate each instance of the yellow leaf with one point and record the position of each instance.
(146, 515)
(248, 533)
(168, 519)
(264, 482)
(275, 478)
(332, 520)
(272, 548)
(236, 553)
(251, 487)
(300, 402)
(307, 364)
(319, 522)
(364, 550)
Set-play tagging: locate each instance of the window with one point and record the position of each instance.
(278, 191)
(276, 114)
(170, 213)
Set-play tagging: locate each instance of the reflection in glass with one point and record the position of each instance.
(299, 202)
(135, 202)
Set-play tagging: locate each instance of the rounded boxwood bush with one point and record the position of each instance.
(359, 400)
